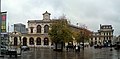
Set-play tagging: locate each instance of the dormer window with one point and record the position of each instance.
(31, 29)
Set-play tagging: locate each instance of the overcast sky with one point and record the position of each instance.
(92, 13)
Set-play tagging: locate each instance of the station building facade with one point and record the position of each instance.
(37, 34)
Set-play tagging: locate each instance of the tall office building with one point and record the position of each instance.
(20, 28)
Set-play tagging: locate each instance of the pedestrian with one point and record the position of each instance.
(78, 48)
(67, 48)
(75, 47)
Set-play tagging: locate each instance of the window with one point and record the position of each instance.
(91, 39)
(95, 38)
(24, 41)
(38, 41)
(107, 33)
(38, 29)
(31, 41)
(31, 29)
(15, 41)
(46, 41)
(110, 38)
(46, 29)
(99, 38)
(104, 33)
(95, 42)
(107, 38)
(104, 38)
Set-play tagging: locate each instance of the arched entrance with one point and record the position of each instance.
(46, 41)
(31, 41)
(15, 41)
(24, 41)
(38, 41)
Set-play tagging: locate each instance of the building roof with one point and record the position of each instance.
(42, 21)
(105, 25)
(46, 13)
(101, 26)
(19, 24)
(73, 26)
(38, 21)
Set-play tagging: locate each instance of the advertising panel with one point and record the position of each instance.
(3, 22)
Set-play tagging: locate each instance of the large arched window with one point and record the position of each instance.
(38, 41)
(46, 41)
(38, 29)
(31, 41)
(24, 41)
(15, 41)
(46, 29)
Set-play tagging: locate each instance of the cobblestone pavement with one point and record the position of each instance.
(87, 53)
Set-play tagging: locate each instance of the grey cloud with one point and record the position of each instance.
(89, 12)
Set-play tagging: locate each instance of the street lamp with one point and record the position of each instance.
(83, 40)
(82, 36)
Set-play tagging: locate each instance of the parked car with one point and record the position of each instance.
(113, 45)
(117, 46)
(14, 51)
(69, 47)
(97, 46)
(4, 49)
(25, 48)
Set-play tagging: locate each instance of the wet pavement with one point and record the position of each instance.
(87, 53)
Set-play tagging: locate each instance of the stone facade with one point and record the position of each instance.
(38, 32)
(37, 35)
(15, 38)
(104, 35)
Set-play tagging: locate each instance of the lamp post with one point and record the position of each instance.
(83, 40)
(83, 32)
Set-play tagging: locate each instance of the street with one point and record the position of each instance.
(87, 53)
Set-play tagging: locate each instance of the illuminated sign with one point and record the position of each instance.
(3, 22)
